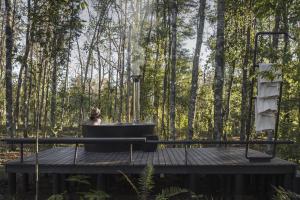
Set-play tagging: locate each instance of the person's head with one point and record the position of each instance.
(95, 113)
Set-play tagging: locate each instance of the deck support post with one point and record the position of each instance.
(192, 179)
(288, 181)
(130, 154)
(62, 182)
(25, 182)
(239, 184)
(12, 184)
(55, 183)
(100, 182)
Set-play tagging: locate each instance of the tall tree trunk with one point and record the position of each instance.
(65, 88)
(156, 87)
(45, 67)
(23, 64)
(173, 68)
(8, 72)
(122, 43)
(195, 71)
(122, 63)
(90, 84)
(2, 46)
(244, 87)
(38, 93)
(27, 108)
(53, 93)
(128, 76)
(99, 77)
(228, 96)
(46, 101)
(166, 72)
(219, 72)
(116, 92)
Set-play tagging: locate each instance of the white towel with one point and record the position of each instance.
(268, 69)
(266, 105)
(264, 121)
(266, 90)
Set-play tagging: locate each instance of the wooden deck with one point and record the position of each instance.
(169, 160)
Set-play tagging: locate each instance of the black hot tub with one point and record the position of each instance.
(122, 130)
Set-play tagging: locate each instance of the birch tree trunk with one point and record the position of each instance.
(128, 76)
(8, 67)
(166, 74)
(173, 68)
(195, 71)
(219, 72)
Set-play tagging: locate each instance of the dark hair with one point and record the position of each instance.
(93, 117)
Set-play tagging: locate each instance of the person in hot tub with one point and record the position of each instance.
(94, 118)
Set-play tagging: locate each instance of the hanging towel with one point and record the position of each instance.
(266, 105)
(268, 90)
(267, 71)
(266, 87)
(264, 121)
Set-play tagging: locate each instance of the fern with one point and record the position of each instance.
(79, 179)
(282, 194)
(130, 183)
(94, 195)
(146, 182)
(170, 192)
(56, 197)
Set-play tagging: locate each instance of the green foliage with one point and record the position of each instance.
(145, 183)
(94, 195)
(170, 192)
(61, 33)
(56, 197)
(282, 194)
(80, 179)
(90, 195)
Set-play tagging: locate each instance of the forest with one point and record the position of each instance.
(187, 66)
(58, 59)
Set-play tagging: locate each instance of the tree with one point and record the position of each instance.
(219, 72)
(195, 70)
(8, 68)
(173, 67)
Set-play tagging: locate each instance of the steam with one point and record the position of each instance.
(138, 17)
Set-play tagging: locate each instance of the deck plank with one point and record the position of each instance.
(200, 160)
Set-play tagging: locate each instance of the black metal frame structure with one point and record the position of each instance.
(254, 67)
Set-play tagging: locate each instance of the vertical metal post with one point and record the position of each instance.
(25, 180)
(130, 154)
(75, 155)
(12, 183)
(136, 98)
(21, 152)
(185, 154)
